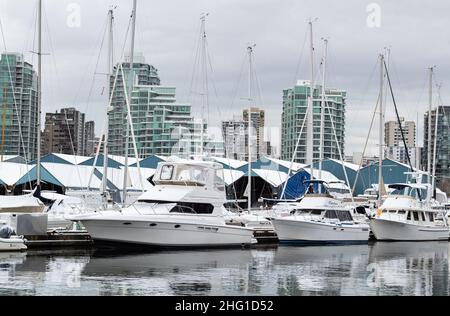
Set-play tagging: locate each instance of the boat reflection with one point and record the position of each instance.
(407, 268)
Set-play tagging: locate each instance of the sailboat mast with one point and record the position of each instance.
(430, 125)
(127, 141)
(322, 110)
(108, 78)
(250, 70)
(205, 82)
(433, 187)
(310, 114)
(381, 133)
(39, 88)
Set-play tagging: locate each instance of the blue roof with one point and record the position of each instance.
(150, 162)
(111, 163)
(45, 177)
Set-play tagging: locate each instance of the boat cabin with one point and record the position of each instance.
(342, 216)
(414, 191)
(317, 188)
(190, 174)
(419, 217)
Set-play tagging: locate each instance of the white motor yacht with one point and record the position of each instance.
(319, 218)
(406, 215)
(185, 208)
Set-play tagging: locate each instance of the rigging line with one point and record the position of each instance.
(21, 140)
(95, 71)
(58, 83)
(365, 146)
(300, 60)
(85, 74)
(32, 30)
(296, 149)
(238, 82)
(196, 61)
(220, 115)
(400, 124)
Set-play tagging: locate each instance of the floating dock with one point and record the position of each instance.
(60, 239)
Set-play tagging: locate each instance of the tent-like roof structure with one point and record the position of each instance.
(64, 159)
(100, 162)
(14, 159)
(150, 162)
(11, 173)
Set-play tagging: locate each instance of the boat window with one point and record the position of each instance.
(423, 216)
(316, 212)
(431, 216)
(344, 216)
(361, 210)
(331, 214)
(167, 173)
(401, 212)
(219, 182)
(408, 218)
(416, 216)
(193, 208)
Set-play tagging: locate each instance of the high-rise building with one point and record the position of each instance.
(235, 136)
(64, 133)
(295, 104)
(145, 75)
(443, 145)
(257, 119)
(89, 136)
(395, 148)
(161, 125)
(18, 103)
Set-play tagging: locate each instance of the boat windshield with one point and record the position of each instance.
(415, 193)
(187, 174)
(315, 188)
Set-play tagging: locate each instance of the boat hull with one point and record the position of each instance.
(167, 234)
(388, 230)
(297, 231)
(12, 244)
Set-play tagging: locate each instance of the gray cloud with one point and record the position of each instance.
(416, 31)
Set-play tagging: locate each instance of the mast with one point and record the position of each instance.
(127, 141)
(250, 69)
(205, 98)
(430, 126)
(310, 114)
(433, 187)
(381, 135)
(108, 78)
(322, 110)
(39, 88)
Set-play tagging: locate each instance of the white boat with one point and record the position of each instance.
(319, 218)
(184, 209)
(406, 215)
(21, 204)
(14, 243)
(9, 242)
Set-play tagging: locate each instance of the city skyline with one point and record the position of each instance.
(352, 58)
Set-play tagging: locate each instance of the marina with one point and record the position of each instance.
(159, 202)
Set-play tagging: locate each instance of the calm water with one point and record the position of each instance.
(377, 269)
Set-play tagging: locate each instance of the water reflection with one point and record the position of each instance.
(378, 269)
(410, 268)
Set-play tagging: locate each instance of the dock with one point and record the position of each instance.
(60, 239)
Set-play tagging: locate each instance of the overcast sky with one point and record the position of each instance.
(416, 31)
